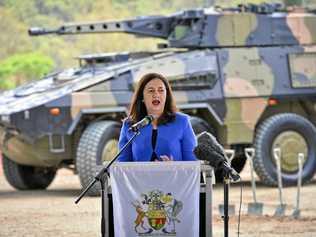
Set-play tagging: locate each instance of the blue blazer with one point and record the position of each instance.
(174, 139)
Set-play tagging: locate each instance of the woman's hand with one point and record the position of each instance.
(166, 158)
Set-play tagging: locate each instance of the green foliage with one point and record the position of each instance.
(12, 39)
(293, 2)
(6, 84)
(20, 68)
(233, 3)
(30, 10)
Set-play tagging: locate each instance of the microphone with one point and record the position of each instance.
(142, 123)
(208, 149)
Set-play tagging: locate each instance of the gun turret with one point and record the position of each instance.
(252, 25)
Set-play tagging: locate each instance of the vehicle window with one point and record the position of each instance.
(303, 69)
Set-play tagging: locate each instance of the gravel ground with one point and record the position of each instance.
(53, 213)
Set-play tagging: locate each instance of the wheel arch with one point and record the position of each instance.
(205, 112)
(86, 116)
(296, 107)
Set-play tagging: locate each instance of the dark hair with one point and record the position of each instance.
(138, 110)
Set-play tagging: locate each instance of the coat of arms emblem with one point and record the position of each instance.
(157, 212)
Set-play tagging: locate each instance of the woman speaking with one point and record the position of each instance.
(169, 136)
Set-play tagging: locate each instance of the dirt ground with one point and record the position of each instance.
(53, 213)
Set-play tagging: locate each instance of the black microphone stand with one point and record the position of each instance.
(101, 177)
(226, 201)
(227, 175)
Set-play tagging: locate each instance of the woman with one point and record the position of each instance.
(169, 136)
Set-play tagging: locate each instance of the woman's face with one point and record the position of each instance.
(155, 97)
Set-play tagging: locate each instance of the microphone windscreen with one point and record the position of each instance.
(210, 150)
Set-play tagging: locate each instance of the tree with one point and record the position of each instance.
(20, 68)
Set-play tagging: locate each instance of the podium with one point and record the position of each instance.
(205, 200)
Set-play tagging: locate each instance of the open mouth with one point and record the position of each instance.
(155, 102)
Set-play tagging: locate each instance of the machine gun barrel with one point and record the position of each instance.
(35, 31)
(154, 26)
(248, 25)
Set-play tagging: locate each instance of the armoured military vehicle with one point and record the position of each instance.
(246, 74)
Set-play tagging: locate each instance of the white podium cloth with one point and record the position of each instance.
(156, 198)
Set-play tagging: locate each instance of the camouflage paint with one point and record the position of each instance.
(246, 96)
(235, 29)
(88, 100)
(301, 31)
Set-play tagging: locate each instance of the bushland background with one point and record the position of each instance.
(24, 58)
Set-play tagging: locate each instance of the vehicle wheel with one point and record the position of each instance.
(293, 134)
(24, 177)
(98, 143)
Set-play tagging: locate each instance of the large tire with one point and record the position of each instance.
(97, 144)
(24, 177)
(292, 134)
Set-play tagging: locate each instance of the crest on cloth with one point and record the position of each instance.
(157, 212)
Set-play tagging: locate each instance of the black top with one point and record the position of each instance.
(153, 142)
